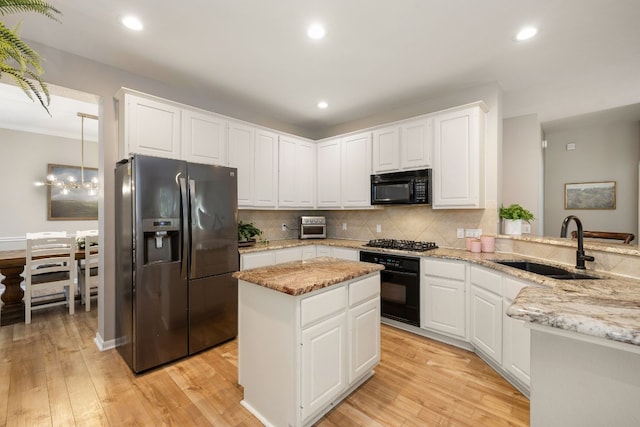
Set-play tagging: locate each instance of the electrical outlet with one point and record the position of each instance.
(344, 225)
(284, 227)
(460, 233)
(526, 228)
(473, 232)
(378, 228)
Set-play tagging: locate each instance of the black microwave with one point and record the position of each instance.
(401, 188)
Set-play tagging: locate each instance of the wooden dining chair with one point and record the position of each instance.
(88, 271)
(49, 267)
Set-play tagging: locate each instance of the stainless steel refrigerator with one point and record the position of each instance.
(176, 248)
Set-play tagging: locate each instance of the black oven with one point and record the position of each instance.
(399, 286)
(401, 188)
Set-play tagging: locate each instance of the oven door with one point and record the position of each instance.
(400, 296)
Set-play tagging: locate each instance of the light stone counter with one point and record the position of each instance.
(607, 308)
(301, 277)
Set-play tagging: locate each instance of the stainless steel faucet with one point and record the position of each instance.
(580, 256)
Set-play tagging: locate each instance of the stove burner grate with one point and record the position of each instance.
(404, 245)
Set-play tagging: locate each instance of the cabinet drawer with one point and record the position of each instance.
(364, 289)
(487, 280)
(446, 269)
(323, 305)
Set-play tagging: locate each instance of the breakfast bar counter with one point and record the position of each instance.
(308, 336)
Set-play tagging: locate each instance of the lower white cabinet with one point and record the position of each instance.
(442, 290)
(364, 338)
(486, 311)
(257, 259)
(486, 322)
(300, 355)
(324, 356)
(516, 339)
(337, 252)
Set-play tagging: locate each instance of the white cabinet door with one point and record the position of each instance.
(516, 336)
(324, 362)
(345, 253)
(386, 149)
(296, 175)
(150, 127)
(458, 174)
(257, 259)
(306, 174)
(241, 156)
(288, 255)
(328, 176)
(323, 251)
(204, 138)
(308, 252)
(265, 174)
(443, 305)
(356, 170)
(486, 322)
(364, 338)
(416, 144)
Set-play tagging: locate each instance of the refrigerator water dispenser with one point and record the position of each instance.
(161, 240)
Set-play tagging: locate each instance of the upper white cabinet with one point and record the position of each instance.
(416, 144)
(328, 178)
(356, 170)
(204, 138)
(241, 156)
(386, 149)
(158, 127)
(265, 166)
(148, 126)
(296, 176)
(458, 173)
(254, 152)
(406, 146)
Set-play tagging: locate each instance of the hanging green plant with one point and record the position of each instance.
(17, 59)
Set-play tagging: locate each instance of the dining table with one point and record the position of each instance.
(12, 264)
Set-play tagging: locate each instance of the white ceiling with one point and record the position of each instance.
(377, 55)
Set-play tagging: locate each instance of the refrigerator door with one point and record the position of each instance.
(160, 284)
(213, 222)
(213, 311)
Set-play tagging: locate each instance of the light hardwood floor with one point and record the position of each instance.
(51, 373)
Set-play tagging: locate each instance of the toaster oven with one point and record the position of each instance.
(312, 227)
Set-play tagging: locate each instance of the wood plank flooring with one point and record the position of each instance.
(52, 374)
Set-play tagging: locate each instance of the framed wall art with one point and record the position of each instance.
(75, 203)
(590, 195)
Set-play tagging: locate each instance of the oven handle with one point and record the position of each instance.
(401, 273)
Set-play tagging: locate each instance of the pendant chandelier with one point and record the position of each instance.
(65, 184)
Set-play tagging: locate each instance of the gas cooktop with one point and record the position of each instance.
(403, 245)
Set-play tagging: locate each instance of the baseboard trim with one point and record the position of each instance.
(102, 344)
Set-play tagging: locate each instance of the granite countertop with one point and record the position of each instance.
(606, 308)
(301, 277)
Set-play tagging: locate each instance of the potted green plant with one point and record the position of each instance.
(247, 233)
(512, 217)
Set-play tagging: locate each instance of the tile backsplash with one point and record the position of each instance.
(395, 222)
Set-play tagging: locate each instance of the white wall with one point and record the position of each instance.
(604, 152)
(24, 206)
(522, 167)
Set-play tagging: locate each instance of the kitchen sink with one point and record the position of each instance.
(546, 270)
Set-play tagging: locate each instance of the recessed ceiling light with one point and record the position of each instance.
(526, 33)
(322, 104)
(316, 31)
(132, 23)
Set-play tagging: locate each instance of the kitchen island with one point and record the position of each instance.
(585, 352)
(308, 335)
